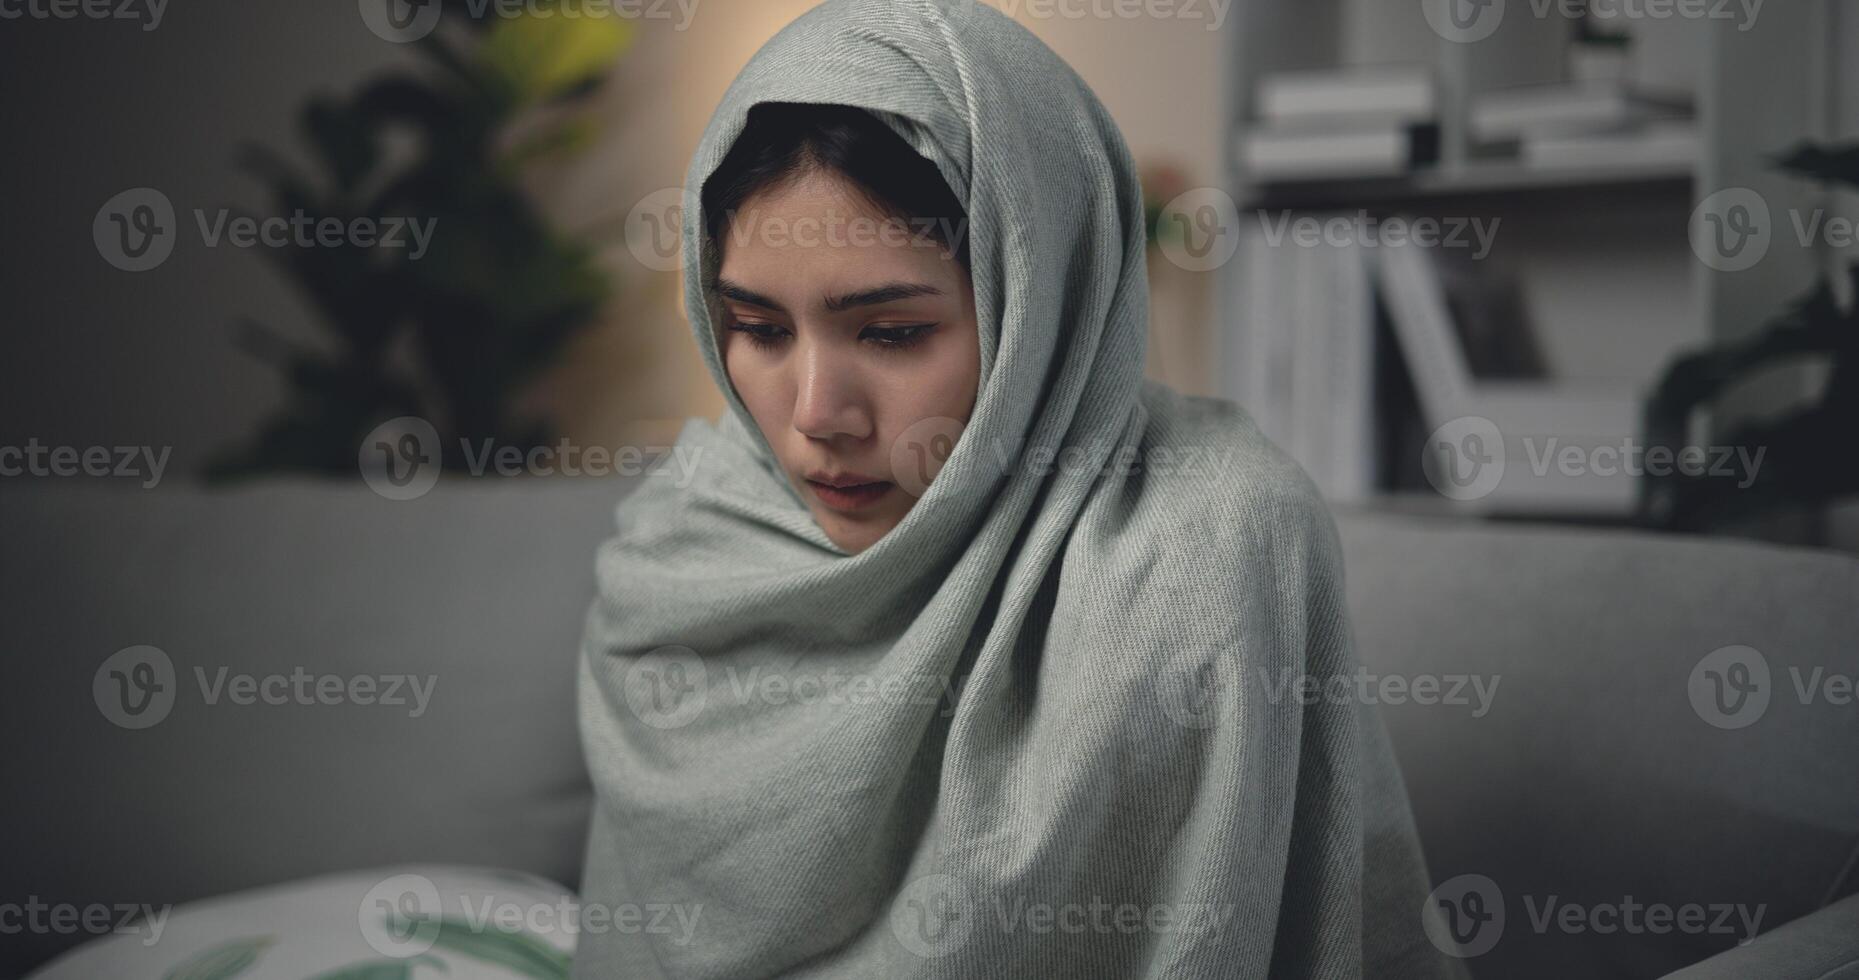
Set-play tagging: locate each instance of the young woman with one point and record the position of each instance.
(967, 652)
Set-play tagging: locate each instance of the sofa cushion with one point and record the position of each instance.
(1604, 773)
(475, 592)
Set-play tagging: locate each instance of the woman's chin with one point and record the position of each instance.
(854, 534)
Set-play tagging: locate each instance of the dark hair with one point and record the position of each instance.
(783, 141)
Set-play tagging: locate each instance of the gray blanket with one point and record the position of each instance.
(1073, 717)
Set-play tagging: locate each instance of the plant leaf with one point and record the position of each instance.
(383, 969)
(514, 950)
(222, 961)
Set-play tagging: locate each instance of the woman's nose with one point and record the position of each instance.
(829, 401)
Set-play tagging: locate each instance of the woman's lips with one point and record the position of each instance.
(849, 499)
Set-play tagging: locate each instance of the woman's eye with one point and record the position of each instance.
(760, 334)
(898, 337)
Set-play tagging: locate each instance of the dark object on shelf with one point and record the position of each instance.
(1808, 460)
(451, 336)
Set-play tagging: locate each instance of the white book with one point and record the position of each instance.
(1303, 360)
(1263, 284)
(1507, 114)
(1669, 145)
(1353, 445)
(1334, 376)
(1539, 421)
(1401, 93)
(1312, 334)
(1312, 155)
(1422, 321)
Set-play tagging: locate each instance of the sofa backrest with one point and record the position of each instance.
(476, 591)
(1591, 778)
(1626, 755)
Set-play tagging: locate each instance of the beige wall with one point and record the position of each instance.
(639, 372)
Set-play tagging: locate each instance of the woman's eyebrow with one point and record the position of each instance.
(741, 294)
(887, 293)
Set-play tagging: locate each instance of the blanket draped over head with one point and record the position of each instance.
(1072, 717)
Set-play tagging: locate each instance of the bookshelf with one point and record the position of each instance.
(1598, 254)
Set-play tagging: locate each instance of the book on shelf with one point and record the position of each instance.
(1539, 420)
(1673, 145)
(1507, 114)
(1350, 122)
(1269, 155)
(1303, 361)
(1395, 94)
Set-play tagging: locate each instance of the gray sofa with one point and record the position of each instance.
(1586, 785)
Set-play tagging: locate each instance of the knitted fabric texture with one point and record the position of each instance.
(1054, 723)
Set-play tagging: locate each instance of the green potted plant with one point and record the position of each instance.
(453, 335)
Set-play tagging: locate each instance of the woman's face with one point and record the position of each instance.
(842, 330)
